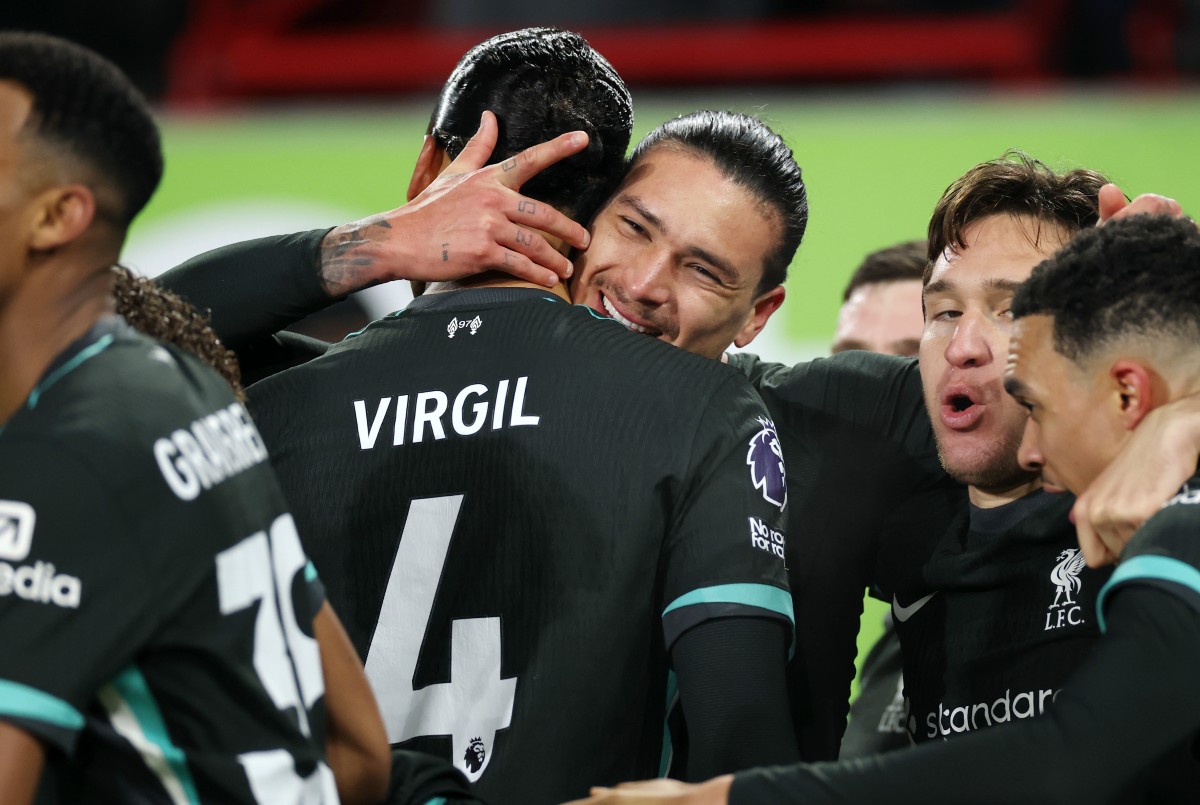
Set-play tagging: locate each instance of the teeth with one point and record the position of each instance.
(612, 311)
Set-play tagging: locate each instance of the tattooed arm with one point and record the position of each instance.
(468, 220)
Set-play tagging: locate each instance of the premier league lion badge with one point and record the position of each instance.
(765, 458)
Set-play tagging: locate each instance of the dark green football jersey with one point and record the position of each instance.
(867, 498)
(994, 608)
(156, 606)
(1165, 552)
(517, 507)
(1126, 702)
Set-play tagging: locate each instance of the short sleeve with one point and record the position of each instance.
(724, 555)
(75, 600)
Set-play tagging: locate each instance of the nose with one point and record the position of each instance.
(647, 280)
(969, 345)
(1029, 454)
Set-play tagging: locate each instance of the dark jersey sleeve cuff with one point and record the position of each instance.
(1172, 575)
(727, 601)
(46, 717)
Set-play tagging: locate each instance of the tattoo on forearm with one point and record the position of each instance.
(524, 236)
(527, 207)
(346, 263)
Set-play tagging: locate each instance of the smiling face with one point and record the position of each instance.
(968, 321)
(1075, 427)
(678, 253)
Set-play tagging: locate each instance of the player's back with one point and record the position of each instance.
(503, 494)
(146, 597)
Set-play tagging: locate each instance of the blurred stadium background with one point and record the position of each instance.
(282, 115)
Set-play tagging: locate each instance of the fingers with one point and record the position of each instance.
(478, 150)
(1094, 550)
(530, 162)
(535, 159)
(548, 269)
(1113, 205)
(541, 216)
(1111, 201)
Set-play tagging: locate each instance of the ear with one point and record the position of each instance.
(1134, 387)
(764, 306)
(63, 213)
(430, 162)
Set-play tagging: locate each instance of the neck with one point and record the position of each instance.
(494, 279)
(991, 498)
(53, 306)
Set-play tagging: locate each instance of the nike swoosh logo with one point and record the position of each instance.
(904, 613)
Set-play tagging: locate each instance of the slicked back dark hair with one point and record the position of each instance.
(903, 261)
(752, 156)
(1137, 276)
(85, 106)
(542, 82)
(1015, 184)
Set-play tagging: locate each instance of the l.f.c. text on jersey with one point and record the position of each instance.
(469, 412)
(210, 450)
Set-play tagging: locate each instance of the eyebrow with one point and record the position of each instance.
(992, 284)
(727, 268)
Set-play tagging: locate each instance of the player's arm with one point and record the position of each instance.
(356, 745)
(470, 219)
(730, 673)
(420, 779)
(1133, 700)
(21, 760)
(727, 611)
(1160, 455)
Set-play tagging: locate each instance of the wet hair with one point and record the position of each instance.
(752, 156)
(1016, 184)
(165, 316)
(85, 107)
(903, 261)
(540, 83)
(1133, 277)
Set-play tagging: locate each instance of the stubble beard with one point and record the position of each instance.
(994, 469)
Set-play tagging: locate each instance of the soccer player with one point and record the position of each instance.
(881, 306)
(993, 605)
(881, 313)
(539, 527)
(857, 424)
(164, 639)
(1106, 331)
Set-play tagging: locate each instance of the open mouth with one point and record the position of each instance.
(960, 409)
(616, 314)
(959, 403)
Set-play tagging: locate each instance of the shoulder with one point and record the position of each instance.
(115, 410)
(120, 387)
(854, 372)
(1165, 552)
(1174, 530)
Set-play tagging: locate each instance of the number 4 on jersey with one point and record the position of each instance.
(475, 703)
